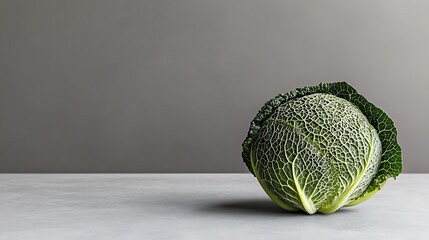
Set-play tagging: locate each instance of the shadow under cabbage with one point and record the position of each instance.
(256, 207)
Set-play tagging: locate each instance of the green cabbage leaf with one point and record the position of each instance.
(321, 148)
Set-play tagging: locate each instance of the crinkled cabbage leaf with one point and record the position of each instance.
(321, 148)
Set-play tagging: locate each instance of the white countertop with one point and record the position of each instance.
(194, 206)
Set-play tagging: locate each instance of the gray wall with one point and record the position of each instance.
(171, 85)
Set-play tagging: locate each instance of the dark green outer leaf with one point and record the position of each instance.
(391, 159)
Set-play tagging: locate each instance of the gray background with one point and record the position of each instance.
(171, 85)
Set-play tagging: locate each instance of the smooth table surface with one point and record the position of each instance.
(194, 206)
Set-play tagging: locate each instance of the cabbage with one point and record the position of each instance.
(321, 148)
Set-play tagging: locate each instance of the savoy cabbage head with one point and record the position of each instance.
(321, 148)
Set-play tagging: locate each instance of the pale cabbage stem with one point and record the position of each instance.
(306, 203)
